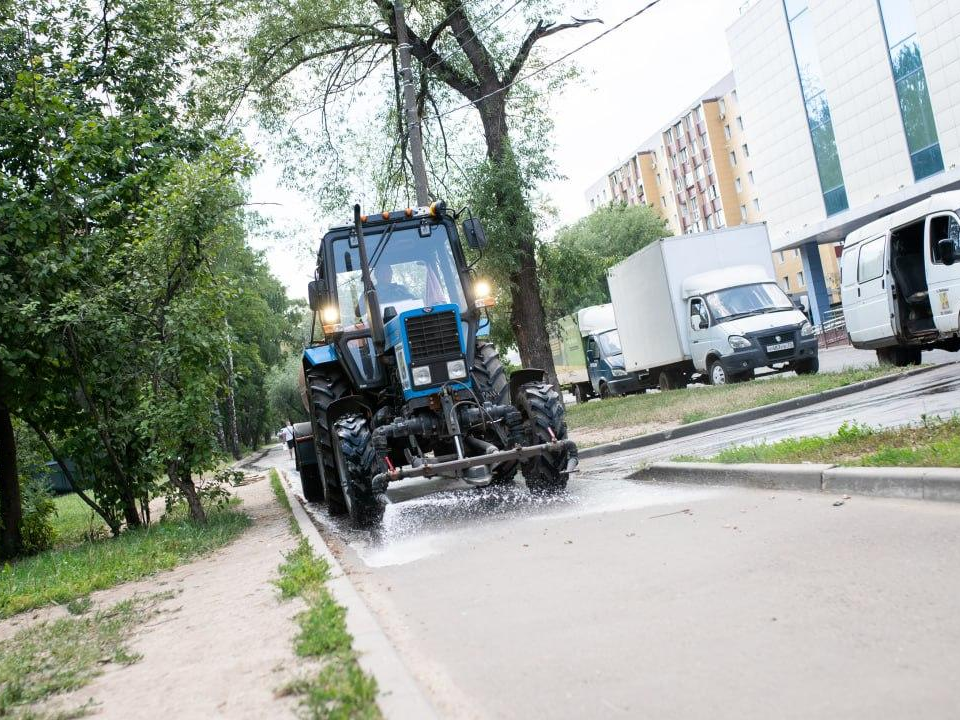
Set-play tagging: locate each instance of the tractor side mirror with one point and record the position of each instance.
(476, 238)
(947, 250)
(389, 313)
(316, 289)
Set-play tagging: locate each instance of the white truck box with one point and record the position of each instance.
(645, 289)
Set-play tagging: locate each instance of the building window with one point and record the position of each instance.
(733, 94)
(800, 279)
(796, 252)
(733, 158)
(786, 283)
(746, 150)
(818, 110)
(743, 213)
(756, 204)
(698, 113)
(721, 220)
(738, 185)
(723, 107)
(663, 198)
(781, 256)
(658, 178)
(923, 142)
(739, 123)
(726, 131)
(750, 176)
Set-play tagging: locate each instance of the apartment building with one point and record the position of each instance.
(854, 112)
(699, 173)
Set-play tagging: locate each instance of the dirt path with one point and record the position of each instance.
(223, 645)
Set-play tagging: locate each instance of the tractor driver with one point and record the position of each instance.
(389, 292)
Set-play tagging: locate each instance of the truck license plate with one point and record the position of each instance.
(776, 347)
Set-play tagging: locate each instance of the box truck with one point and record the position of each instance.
(899, 284)
(706, 306)
(587, 357)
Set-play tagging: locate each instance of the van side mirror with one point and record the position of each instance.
(947, 251)
(316, 289)
(473, 231)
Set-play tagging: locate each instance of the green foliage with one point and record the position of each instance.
(574, 266)
(931, 443)
(38, 511)
(283, 392)
(63, 574)
(51, 658)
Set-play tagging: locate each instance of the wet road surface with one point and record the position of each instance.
(630, 600)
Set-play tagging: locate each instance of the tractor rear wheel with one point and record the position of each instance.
(544, 420)
(491, 384)
(327, 384)
(357, 463)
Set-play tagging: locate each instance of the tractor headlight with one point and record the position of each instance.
(806, 330)
(456, 370)
(738, 342)
(483, 294)
(421, 376)
(330, 319)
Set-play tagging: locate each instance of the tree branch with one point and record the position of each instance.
(540, 31)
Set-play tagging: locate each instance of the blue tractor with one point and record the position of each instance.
(402, 383)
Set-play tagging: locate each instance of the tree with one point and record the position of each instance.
(333, 51)
(575, 264)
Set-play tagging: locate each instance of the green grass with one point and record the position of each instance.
(931, 443)
(75, 522)
(47, 659)
(692, 404)
(69, 573)
(339, 689)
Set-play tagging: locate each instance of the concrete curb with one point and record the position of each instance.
(940, 484)
(763, 411)
(398, 694)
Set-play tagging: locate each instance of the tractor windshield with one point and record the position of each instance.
(409, 272)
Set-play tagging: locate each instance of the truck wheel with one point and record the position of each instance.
(309, 471)
(491, 384)
(542, 411)
(605, 391)
(809, 366)
(718, 376)
(580, 394)
(357, 464)
(669, 380)
(326, 385)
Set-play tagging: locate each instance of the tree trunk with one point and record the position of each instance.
(218, 421)
(233, 437)
(181, 479)
(11, 510)
(527, 319)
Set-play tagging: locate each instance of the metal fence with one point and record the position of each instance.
(833, 330)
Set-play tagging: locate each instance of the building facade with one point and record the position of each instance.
(699, 173)
(854, 109)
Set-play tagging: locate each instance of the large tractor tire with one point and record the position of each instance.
(542, 411)
(357, 464)
(327, 384)
(304, 451)
(491, 384)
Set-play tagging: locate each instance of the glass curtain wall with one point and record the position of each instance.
(817, 108)
(923, 143)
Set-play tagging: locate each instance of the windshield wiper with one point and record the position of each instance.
(382, 245)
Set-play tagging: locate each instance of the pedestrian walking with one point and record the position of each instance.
(286, 435)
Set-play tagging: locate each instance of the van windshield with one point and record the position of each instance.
(731, 303)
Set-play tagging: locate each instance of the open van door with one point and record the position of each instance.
(865, 292)
(943, 279)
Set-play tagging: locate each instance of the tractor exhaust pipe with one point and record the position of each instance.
(369, 291)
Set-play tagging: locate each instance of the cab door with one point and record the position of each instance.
(872, 317)
(943, 281)
(699, 332)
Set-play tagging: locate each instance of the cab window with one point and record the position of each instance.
(698, 309)
(870, 266)
(943, 226)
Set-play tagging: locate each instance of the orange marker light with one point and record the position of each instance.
(363, 218)
(386, 214)
(408, 212)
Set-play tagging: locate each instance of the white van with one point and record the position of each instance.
(899, 286)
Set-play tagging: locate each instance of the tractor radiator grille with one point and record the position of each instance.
(433, 336)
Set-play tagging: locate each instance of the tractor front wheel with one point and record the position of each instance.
(357, 464)
(544, 420)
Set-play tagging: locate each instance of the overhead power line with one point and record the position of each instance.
(550, 64)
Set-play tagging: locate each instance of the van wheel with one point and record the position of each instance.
(718, 376)
(580, 394)
(605, 391)
(810, 366)
(670, 380)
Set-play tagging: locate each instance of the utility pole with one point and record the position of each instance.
(410, 107)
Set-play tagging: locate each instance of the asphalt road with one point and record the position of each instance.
(630, 600)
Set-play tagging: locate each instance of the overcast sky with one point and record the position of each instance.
(634, 81)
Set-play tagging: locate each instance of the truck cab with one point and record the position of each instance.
(738, 320)
(900, 286)
(605, 365)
